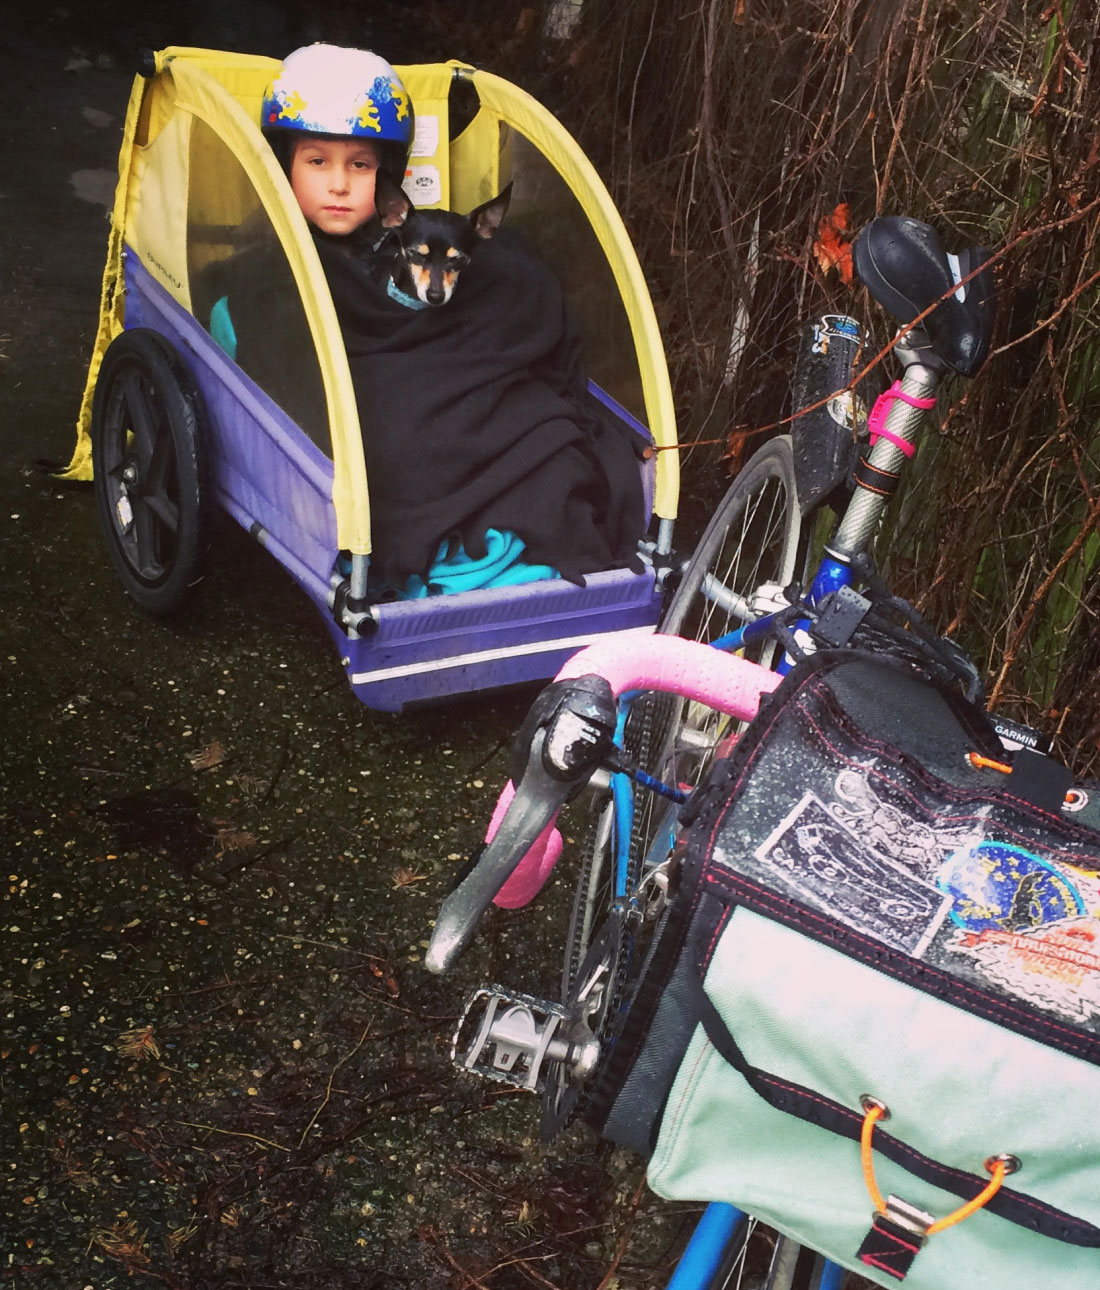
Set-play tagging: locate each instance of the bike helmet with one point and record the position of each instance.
(341, 92)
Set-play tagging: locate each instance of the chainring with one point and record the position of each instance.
(592, 1010)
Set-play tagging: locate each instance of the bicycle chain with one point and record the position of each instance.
(562, 1100)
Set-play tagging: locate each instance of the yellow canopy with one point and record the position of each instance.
(224, 91)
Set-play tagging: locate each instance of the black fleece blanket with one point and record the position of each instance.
(475, 415)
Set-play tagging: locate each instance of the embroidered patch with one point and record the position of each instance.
(1056, 967)
(839, 872)
(998, 885)
(917, 844)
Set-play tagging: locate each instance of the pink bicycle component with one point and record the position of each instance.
(692, 669)
(876, 421)
(536, 866)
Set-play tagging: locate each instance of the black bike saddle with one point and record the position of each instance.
(904, 265)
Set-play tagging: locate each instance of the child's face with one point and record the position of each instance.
(333, 180)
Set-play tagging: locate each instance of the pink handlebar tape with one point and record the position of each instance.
(638, 662)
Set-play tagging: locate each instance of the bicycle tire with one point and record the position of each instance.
(669, 738)
(762, 500)
(149, 470)
(594, 908)
(749, 551)
(753, 548)
(646, 730)
(675, 740)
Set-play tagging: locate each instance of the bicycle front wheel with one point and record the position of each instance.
(603, 954)
(748, 554)
(753, 547)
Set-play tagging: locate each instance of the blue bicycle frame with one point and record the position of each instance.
(705, 1251)
(831, 576)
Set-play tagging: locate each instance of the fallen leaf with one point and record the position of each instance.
(385, 974)
(181, 1235)
(232, 840)
(212, 755)
(832, 250)
(123, 1242)
(403, 877)
(138, 1043)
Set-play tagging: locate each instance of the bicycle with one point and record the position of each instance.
(657, 712)
(758, 544)
(553, 1049)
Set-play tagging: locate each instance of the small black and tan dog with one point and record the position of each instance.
(430, 248)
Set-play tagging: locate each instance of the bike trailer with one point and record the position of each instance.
(197, 182)
(872, 1015)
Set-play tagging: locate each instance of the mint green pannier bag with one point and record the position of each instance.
(880, 909)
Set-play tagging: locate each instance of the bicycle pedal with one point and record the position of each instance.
(509, 1037)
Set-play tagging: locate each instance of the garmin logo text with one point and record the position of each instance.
(1014, 735)
(157, 265)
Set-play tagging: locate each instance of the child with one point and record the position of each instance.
(482, 450)
(334, 181)
(334, 117)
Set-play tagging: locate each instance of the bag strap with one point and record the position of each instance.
(806, 1104)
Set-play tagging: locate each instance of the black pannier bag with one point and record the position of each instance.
(875, 993)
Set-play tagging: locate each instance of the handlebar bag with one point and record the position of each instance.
(866, 910)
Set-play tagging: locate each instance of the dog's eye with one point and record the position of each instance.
(458, 261)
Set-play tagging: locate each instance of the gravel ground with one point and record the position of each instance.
(222, 1063)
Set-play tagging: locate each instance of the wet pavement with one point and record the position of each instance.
(222, 1063)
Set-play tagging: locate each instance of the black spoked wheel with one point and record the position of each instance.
(647, 745)
(608, 938)
(749, 552)
(753, 548)
(147, 459)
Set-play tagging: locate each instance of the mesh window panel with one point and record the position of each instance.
(234, 254)
(545, 212)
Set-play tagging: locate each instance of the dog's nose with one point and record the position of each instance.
(436, 295)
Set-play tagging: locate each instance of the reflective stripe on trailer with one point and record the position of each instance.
(492, 655)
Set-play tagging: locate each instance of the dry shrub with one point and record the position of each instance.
(726, 130)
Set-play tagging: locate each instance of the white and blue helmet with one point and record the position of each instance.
(349, 93)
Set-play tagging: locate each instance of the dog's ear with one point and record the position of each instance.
(489, 216)
(390, 201)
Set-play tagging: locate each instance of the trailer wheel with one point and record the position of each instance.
(149, 469)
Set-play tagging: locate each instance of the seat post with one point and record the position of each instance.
(879, 473)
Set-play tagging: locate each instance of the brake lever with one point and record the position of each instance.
(566, 735)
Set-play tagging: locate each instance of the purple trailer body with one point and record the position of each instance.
(277, 484)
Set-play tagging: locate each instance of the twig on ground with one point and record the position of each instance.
(332, 1075)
